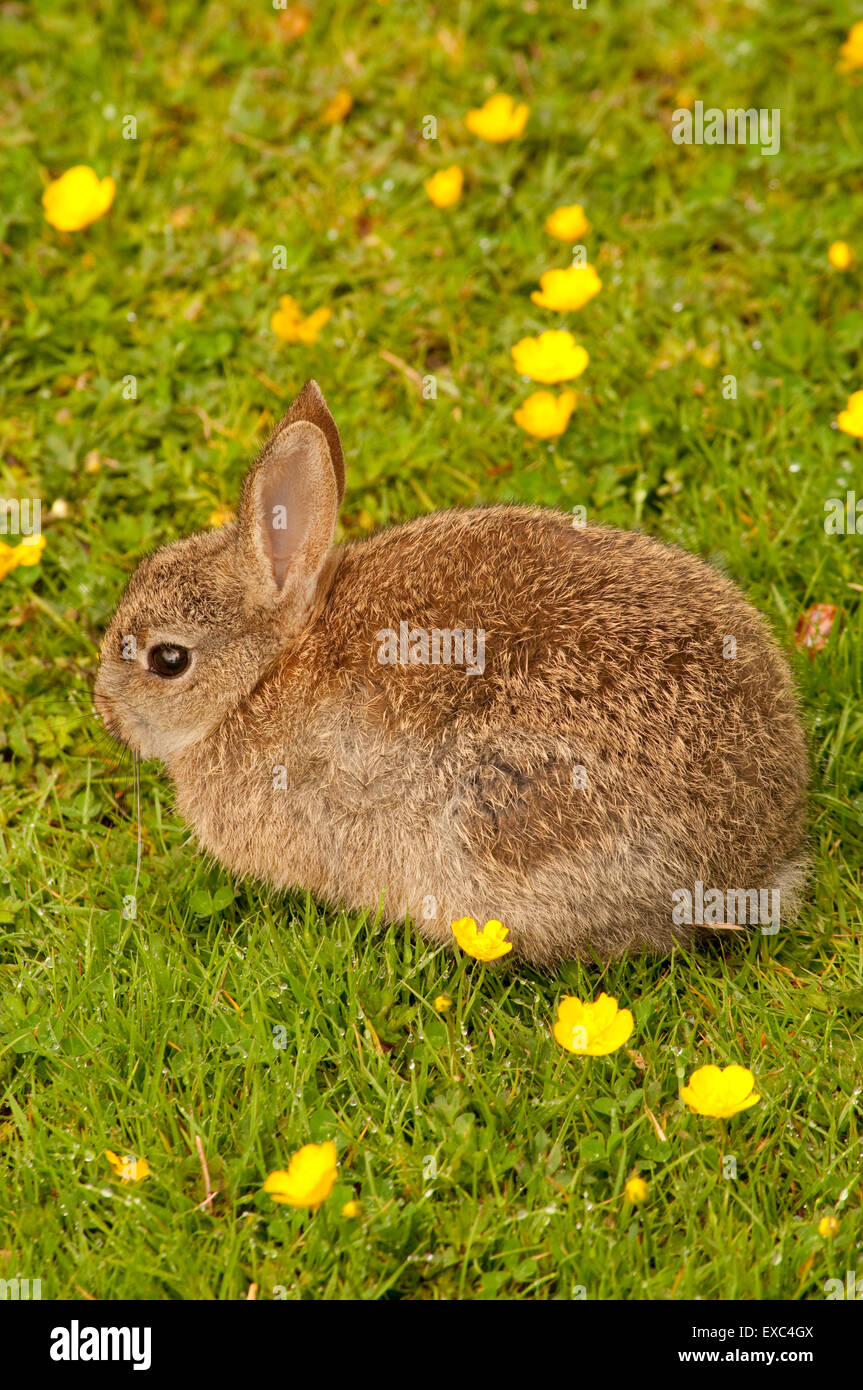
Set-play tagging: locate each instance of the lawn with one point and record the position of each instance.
(224, 1025)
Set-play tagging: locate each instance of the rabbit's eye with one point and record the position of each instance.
(167, 660)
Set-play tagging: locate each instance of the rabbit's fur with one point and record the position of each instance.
(611, 752)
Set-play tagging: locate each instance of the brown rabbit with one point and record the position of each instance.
(482, 713)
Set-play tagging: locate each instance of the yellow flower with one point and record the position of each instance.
(309, 1178)
(553, 356)
(27, 552)
(498, 119)
(828, 1227)
(442, 1003)
(635, 1191)
(289, 324)
(851, 418)
(220, 516)
(851, 52)
(840, 255)
(351, 1209)
(336, 109)
(720, 1091)
(77, 198)
(484, 943)
(128, 1169)
(544, 414)
(567, 290)
(444, 188)
(568, 223)
(592, 1030)
(8, 559)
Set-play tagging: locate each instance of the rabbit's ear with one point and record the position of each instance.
(310, 405)
(288, 508)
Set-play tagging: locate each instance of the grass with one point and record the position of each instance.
(487, 1163)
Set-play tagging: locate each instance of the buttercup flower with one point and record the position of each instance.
(442, 1003)
(828, 1227)
(720, 1091)
(128, 1169)
(544, 414)
(635, 1191)
(840, 255)
(851, 418)
(77, 198)
(309, 1178)
(351, 1209)
(851, 52)
(553, 356)
(498, 119)
(27, 552)
(289, 324)
(336, 109)
(220, 516)
(444, 188)
(567, 290)
(568, 223)
(8, 559)
(592, 1030)
(484, 943)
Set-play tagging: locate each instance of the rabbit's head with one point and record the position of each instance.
(202, 619)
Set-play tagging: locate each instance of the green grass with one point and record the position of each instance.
(487, 1162)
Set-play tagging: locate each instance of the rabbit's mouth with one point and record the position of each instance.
(136, 734)
(105, 714)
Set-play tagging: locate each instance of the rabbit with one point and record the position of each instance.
(486, 712)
